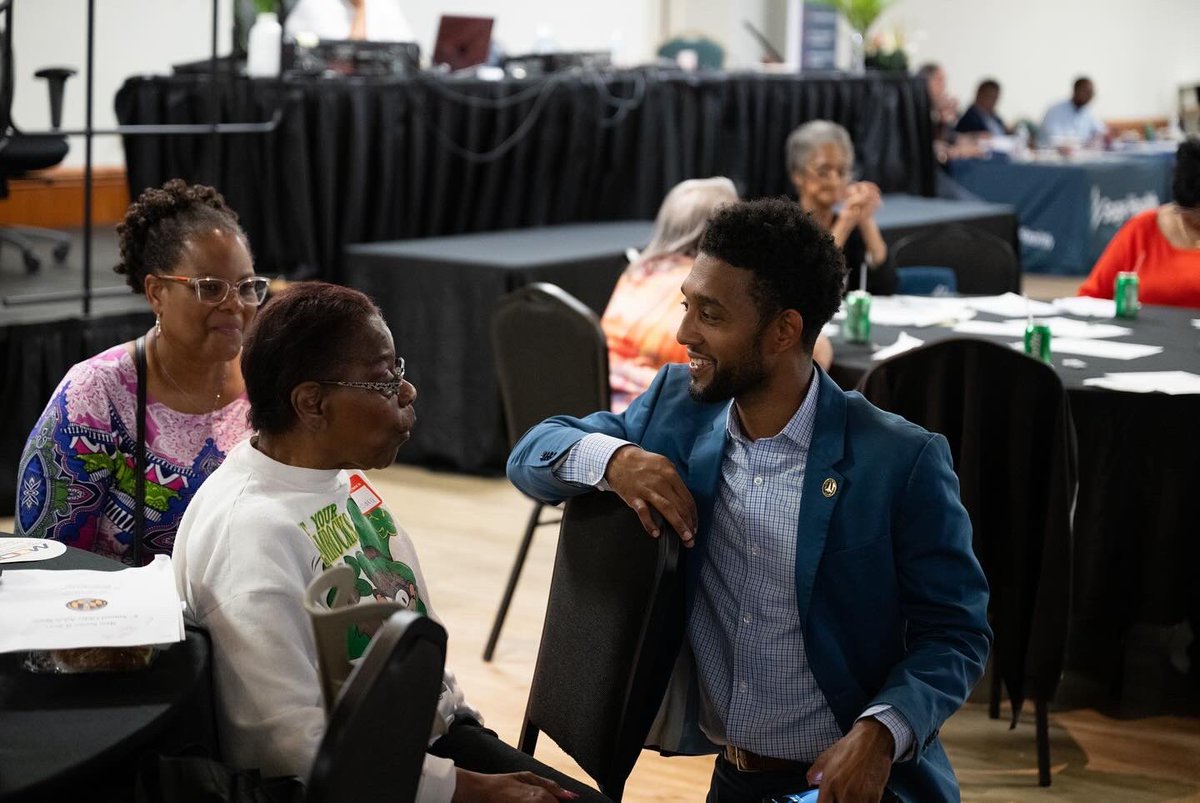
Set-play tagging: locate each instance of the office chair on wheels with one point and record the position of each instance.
(20, 153)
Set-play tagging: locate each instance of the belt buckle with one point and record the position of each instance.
(738, 760)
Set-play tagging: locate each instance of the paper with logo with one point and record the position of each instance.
(27, 550)
(43, 609)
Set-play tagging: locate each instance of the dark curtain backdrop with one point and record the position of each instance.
(358, 160)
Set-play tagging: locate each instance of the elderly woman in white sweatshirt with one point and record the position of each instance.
(328, 399)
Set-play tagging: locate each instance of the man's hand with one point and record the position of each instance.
(856, 768)
(645, 480)
(515, 787)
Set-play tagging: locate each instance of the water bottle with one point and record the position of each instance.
(263, 45)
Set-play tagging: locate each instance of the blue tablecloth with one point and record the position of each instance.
(1068, 212)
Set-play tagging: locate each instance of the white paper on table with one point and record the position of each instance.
(831, 329)
(1098, 348)
(1009, 305)
(17, 549)
(1014, 328)
(43, 609)
(1173, 382)
(905, 342)
(1196, 322)
(1087, 307)
(918, 311)
(1059, 327)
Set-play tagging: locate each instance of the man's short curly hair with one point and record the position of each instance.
(795, 263)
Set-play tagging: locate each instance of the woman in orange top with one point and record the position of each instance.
(1162, 245)
(646, 307)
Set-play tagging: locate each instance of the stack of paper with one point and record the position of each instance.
(1009, 305)
(1097, 348)
(1086, 307)
(918, 311)
(43, 609)
(1059, 328)
(1174, 382)
(905, 342)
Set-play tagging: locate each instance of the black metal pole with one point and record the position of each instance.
(87, 160)
(214, 139)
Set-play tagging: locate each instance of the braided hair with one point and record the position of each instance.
(159, 223)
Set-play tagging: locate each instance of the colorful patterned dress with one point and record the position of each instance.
(640, 322)
(75, 482)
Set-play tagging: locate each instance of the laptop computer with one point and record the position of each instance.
(462, 41)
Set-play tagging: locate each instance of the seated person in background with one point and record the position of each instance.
(1162, 245)
(981, 117)
(1071, 122)
(836, 614)
(181, 247)
(943, 107)
(377, 20)
(820, 160)
(646, 306)
(328, 399)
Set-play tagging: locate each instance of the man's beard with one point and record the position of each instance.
(746, 375)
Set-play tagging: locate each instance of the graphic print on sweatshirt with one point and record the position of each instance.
(361, 537)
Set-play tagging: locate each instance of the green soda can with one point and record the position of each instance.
(1037, 341)
(1125, 293)
(857, 326)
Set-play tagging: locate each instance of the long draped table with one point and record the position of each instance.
(1135, 548)
(367, 160)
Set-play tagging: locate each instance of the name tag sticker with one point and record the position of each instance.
(363, 494)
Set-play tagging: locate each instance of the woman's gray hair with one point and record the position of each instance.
(812, 135)
(684, 215)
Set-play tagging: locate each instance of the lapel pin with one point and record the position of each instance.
(829, 487)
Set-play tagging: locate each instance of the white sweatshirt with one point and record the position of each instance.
(254, 536)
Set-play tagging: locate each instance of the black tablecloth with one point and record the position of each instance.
(76, 737)
(358, 160)
(437, 296)
(1136, 554)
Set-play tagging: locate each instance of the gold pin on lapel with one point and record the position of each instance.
(829, 487)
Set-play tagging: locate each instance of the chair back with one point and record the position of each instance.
(983, 264)
(1008, 422)
(332, 604)
(613, 630)
(551, 357)
(375, 741)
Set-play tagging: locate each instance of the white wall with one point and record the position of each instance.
(132, 37)
(1136, 52)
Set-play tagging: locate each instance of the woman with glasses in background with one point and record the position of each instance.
(820, 160)
(182, 247)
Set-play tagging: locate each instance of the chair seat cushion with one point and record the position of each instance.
(19, 154)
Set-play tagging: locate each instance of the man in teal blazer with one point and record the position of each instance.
(835, 613)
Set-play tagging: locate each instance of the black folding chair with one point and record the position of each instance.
(983, 264)
(614, 626)
(1008, 422)
(551, 359)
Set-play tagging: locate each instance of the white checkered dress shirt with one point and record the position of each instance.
(744, 627)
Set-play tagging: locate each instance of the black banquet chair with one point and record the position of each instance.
(612, 633)
(983, 264)
(20, 153)
(551, 359)
(375, 741)
(1008, 422)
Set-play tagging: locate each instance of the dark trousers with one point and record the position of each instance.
(475, 748)
(731, 785)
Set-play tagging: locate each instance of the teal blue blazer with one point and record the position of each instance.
(892, 599)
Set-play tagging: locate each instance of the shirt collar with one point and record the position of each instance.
(799, 428)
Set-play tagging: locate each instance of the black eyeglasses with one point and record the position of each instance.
(214, 291)
(385, 389)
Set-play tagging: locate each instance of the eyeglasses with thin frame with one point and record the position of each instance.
(213, 290)
(386, 389)
(825, 172)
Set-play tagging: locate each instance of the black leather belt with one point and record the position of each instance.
(745, 761)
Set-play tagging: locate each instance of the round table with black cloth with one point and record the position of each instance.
(79, 737)
(1136, 555)
(363, 160)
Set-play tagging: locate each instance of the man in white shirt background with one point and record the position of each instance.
(376, 20)
(1071, 121)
